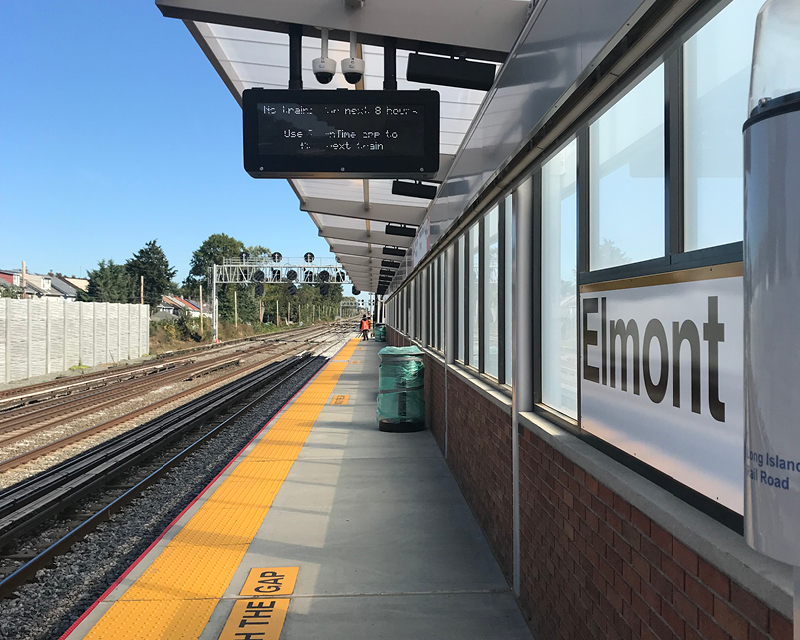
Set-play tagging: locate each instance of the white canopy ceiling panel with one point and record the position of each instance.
(366, 237)
(375, 255)
(355, 248)
(323, 220)
(489, 26)
(363, 261)
(356, 210)
(352, 214)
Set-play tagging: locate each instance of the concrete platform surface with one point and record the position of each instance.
(384, 543)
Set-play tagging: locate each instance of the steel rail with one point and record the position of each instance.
(43, 559)
(8, 401)
(26, 393)
(33, 419)
(29, 456)
(39, 497)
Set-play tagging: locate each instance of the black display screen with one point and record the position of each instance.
(341, 133)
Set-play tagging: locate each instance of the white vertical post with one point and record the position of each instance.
(80, 332)
(108, 334)
(8, 340)
(30, 334)
(94, 336)
(214, 317)
(47, 335)
(65, 355)
(119, 332)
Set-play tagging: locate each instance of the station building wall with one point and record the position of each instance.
(612, 493)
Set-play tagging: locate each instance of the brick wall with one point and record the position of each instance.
(395, 338)
(593, 566)
(435, 399)
(479, 454)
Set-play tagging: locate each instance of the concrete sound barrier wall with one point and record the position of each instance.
(50, 335)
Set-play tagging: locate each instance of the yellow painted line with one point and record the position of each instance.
(340, 399)
(255, 620)
(177, 593)
(270, 581)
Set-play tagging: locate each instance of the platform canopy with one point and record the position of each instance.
(247, 43)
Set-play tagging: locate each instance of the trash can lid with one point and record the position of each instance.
(400, 351)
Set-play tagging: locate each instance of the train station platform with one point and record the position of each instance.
(322, 527)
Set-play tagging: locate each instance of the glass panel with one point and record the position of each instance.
(716, 83)
(626, 173)
(559, 266)
(473, 327)
(462, 298)
(491, 310)
(509, 289)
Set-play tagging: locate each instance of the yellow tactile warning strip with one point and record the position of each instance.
(177, 593)
(255, 620)
(270, 581)
(340, 399)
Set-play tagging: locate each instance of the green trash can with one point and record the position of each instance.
(401, 394)
(380, 333)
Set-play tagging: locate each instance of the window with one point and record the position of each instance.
(559, 350)
(462, 298)
(491, 301)
(473, 323)
(715, 89)
(509, 289)
(626, 173)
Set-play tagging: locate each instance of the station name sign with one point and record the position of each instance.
(340, 134)
(662, 377)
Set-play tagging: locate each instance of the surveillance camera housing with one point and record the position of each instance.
(353, 69)
(324, 69)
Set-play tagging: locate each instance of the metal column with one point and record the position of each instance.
(522, 343)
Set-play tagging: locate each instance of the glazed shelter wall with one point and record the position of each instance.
(613, 500)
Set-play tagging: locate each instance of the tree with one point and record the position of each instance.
(214, 250)
(110, 282)
(609, 254)
(151, 263)
(11, 291)
(257, 251)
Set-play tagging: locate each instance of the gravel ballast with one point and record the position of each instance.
(46, 608)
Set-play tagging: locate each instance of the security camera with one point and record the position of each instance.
(324, 69)
(353, 69)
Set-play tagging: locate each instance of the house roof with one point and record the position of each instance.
(63, 287)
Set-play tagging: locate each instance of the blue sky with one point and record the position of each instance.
(114, 130)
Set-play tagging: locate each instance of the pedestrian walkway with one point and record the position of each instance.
(323, 527)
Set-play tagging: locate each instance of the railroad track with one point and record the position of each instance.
(29, 456)
(27, 420)
(31, 502)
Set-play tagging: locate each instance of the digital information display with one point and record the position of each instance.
(340, 134)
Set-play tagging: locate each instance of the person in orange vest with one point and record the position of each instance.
(364, 328)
